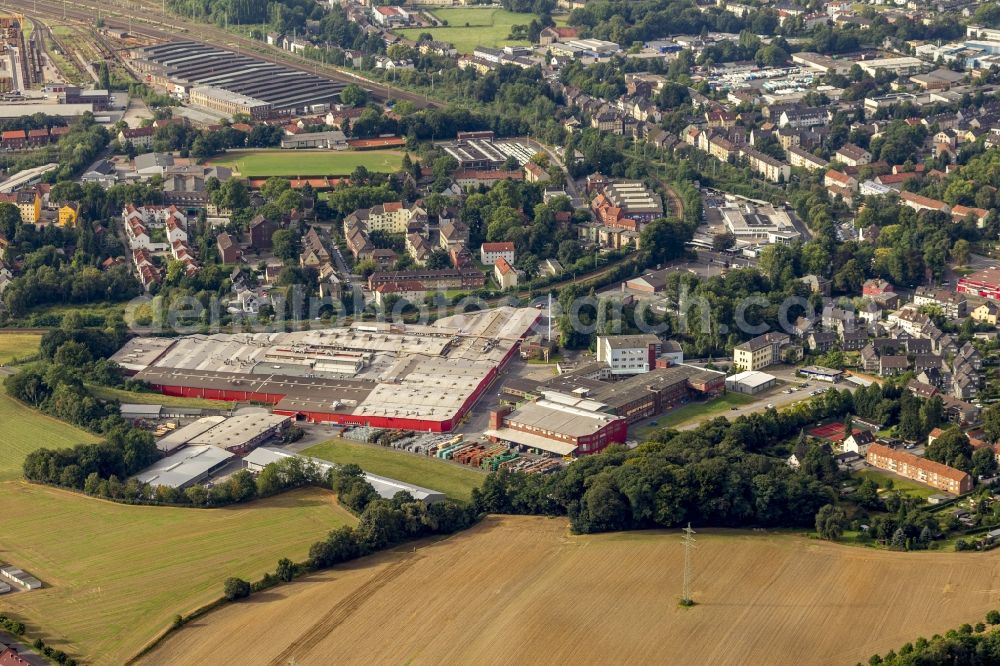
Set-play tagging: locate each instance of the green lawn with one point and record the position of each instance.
(296, 163)
(470, 27)
(15, 346)
(697, 411)
(453, 480)
(115, 575)
(898, 483)
(23, 430)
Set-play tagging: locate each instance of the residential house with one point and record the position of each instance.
(505, 274)
(229, 249)
(853, 155)
(489, 253)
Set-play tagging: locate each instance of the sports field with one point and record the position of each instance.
(116, 575)
(22, 430)
(470, 27)
(453, 480)
(523, 590)
(18, 345)
(301, 163)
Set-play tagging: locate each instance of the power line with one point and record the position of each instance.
(689, 541)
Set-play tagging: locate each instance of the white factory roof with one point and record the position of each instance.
(532, 440)
(183, 467)
(238, 430)
(182, 436)
(573, 421)
(751, 378)
(384, 486)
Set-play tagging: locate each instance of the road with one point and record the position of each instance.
(151, 22)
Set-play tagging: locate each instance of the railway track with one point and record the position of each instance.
(146, 21)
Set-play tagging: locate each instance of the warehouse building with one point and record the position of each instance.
(251, 83)
(182, 436)
(560, 424)
(243, 432)
(384, 486)
(750, 382)
(330, 140)
(189, 466)
(229, 102)
(414, 377)
(632, 398)
(19, 577)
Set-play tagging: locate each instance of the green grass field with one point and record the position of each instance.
(453, 480)
(698, 411)
(114, 575)
(470, 27)
(139, 398)
(22, 430)
(294, 163)
(18, 345)
(911, 488)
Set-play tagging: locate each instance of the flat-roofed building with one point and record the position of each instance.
(635, 200)
(901, 66)
(242, 432)
(758, 223)
(187, 467)
(560, 424)
(228, 102)
(750, 382)
(628, 354)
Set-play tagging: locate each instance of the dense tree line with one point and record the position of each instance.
(724, 474)
(969, 645)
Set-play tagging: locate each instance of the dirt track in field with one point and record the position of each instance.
(523, 590)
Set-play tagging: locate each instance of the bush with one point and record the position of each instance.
(236, 588)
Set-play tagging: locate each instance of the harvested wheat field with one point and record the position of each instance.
(522, 590)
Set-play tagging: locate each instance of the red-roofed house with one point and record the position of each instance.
(932, 473)
(840, 179)
(959, 213)
(10, 657)
(489, 253)
(555, 34)
(13, 138)
(505, 274)
(919, 202)
(410, 290)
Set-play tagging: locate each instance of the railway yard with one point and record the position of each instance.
(71, 43)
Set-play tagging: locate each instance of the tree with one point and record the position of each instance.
(438, 259)
(952, 448)
(286, 245)
(723, 241)
(236, 588)
(10, 220)
(984, 462)
(286, 570)
(830, 522)
(960, 252)
(991, 422)
(354, 95)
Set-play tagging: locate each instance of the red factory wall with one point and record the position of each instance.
(350, 419)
